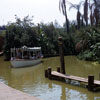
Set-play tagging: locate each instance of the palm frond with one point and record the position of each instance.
(72, 6)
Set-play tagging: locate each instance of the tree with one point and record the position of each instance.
(77, 7)
(91, 13)
(62, 7)
(20, 33)
(86, 11)
(97, 11)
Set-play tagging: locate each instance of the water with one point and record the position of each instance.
(32, 81)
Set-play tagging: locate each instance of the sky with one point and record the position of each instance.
(42, 11)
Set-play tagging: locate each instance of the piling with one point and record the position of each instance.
(61, 55)
(46, 73)
(49, 73)
(99, 76)
(90, 83)
(58, 69)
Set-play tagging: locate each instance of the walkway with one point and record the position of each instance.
(8, 93)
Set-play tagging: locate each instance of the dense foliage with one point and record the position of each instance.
(81, 37)
(87, 33)
(90, 44)
(24, 32)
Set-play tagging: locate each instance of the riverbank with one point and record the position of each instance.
(8, 93)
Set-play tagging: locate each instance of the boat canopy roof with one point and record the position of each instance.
(25, 48)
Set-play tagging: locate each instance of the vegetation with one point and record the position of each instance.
(81, 37)
(24, 32)
(90, 44)
(86, 36)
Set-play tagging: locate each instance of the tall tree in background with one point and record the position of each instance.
(62, 8)
(99, 8)
(77, 7)
(86, 11)
(91, 13)
(96, 11)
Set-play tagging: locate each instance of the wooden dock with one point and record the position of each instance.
(8, 93)
(91, 84)
(76, 78)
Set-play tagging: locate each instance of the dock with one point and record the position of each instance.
(76, 78)
(60, 74)
(8, 93)
(90, 83)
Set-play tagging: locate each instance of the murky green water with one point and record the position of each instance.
(31, 79)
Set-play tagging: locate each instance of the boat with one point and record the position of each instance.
(1, 53)
(25, 56)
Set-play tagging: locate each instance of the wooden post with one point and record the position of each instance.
(58, 69)
(90, 83)
(99, 76)
(49, 72)
(46, 73)
(61, 55)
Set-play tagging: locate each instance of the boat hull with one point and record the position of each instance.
(24, 63)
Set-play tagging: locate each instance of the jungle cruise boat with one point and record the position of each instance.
(25, 56)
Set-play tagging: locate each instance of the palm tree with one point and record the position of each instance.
(82, 20)
(62, 8)
(77, 7)
(86, 11)
(96, 11)
(91, 13)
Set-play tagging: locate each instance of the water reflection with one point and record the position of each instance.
(70, 92)
(31, 79)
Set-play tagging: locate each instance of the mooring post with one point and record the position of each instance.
(61, 55)
(49, 73)
(46, 73)
(99, 76)
(90, 83)
(58, 69)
